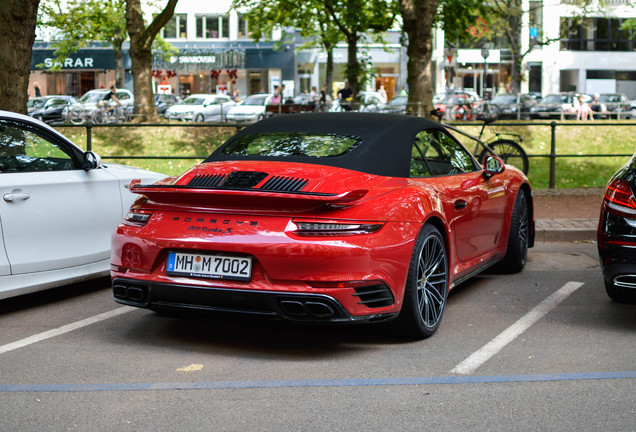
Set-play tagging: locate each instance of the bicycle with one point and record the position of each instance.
(102, 115)
(505, 145)
(77, 115)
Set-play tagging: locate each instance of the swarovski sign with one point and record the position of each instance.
(193, 60)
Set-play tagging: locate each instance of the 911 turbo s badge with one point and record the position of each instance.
(221, 226)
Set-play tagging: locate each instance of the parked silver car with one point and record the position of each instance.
(201, 107)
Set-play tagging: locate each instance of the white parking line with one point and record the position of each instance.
(482, 355)
(64, 329)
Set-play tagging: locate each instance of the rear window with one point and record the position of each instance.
(286, 144)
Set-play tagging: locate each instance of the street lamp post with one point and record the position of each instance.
(484, 53)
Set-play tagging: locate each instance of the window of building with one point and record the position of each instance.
(243, 29)
(596, 34)
(536, 21)
(176, 27)
(213, 26)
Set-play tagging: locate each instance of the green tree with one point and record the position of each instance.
(81, 22)
(356, 20)
(307, 18)
(141, 42)
(17, 34)
(419, 19)
(505, 18)
(323, 19)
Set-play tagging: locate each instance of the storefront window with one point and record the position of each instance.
(213, 26)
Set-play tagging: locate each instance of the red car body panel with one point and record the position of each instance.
(472, 210)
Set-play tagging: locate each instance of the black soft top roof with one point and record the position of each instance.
(385, 148)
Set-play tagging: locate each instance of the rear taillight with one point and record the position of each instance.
(619, 199)
(332, 229)
(137, 217)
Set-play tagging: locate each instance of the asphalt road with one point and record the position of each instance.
(543, 350)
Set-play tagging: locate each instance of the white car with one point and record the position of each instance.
(59, 207)
(252, 109)
(201, 107)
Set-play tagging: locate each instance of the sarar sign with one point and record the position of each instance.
(71, 63)
(83, 59)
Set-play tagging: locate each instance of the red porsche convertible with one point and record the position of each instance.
(325, 217)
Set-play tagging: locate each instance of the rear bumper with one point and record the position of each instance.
(300, 307)
(618, 259)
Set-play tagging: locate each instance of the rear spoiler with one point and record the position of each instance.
(240, 198)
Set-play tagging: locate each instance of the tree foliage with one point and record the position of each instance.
(456, 17)
(78, 23)
(505, 17)
(326, 21)
(142, 38)
(307, 19)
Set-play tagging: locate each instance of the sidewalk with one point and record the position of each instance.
(567, 215)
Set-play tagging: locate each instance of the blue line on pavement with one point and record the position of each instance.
(354, 382)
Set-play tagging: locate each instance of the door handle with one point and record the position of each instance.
(460, 204)
(16, 195)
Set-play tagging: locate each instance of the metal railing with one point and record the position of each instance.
(552, 156)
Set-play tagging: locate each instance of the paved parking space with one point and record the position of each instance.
(554, 354)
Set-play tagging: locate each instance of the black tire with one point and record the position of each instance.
(620, 294)
(199, 118)
(510, 152)
(426, 288)
(518, 236)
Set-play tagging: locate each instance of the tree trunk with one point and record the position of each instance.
(514, 38)
(120, 72)
(17, 34)
(329, 71)
(353, 65)
(417, 17)
(141, 38)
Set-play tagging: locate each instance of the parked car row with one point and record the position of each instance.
(57, 109)
(454, 105)
(566, 106)
(50, 109)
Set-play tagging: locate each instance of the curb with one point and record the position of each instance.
(565, 230)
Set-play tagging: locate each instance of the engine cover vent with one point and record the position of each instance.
(284, 184)
(209, 180)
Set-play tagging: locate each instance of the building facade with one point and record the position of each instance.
(216, 54)
(593, 56)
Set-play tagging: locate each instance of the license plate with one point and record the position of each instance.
(209, 266)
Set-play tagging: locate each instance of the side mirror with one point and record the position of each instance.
(91, 161)
(492, 166)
